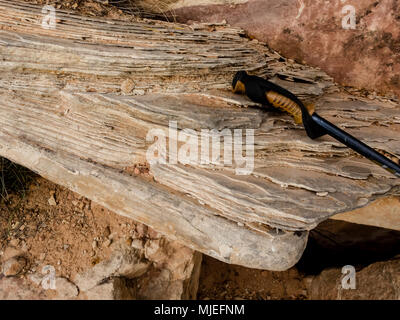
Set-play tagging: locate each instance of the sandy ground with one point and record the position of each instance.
(57, 227)
(52, 225)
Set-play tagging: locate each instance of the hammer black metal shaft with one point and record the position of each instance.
(357, 145)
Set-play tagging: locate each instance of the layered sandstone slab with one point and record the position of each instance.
(78, 103)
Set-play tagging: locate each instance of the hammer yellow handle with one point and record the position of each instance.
(285, 104)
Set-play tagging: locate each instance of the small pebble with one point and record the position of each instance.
(15, 225)
(14, 242)
(14, 266)
(127, 86)
(52, 201)
(137, 244)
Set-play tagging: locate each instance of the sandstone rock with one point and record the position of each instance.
(312, 32)
(14, 266)
(378, 281)
(137, 244)
(36, 278)
(65, 289)
(113, 289)
(13, 288)
(176, 272)
(52, 201)
(152, 234)
(156, 250)
(11, 252)
(141, 229)
(124, 262)
(382, 213)
(160, 286)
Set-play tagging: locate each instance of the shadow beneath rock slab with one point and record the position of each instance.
(318, 275)
(337, 243)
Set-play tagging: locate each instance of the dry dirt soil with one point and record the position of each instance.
(52, 225)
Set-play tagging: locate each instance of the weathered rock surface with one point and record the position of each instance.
(65, 289)
(384, 213)
(31, 288)
(15, 288)
(124, 262)
(311, 32)
(161, 269)
(378, 281)
(112, 289)
(115, 145)
(259, 220)
(175, 274)
(11, 252)
(14, 266)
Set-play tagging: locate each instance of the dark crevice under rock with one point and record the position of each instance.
(338, 243)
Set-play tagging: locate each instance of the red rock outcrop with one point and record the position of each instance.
(311, 32)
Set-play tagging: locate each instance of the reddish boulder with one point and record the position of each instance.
(311, 32)
(378, 281)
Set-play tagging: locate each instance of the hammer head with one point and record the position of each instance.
(237, 83)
